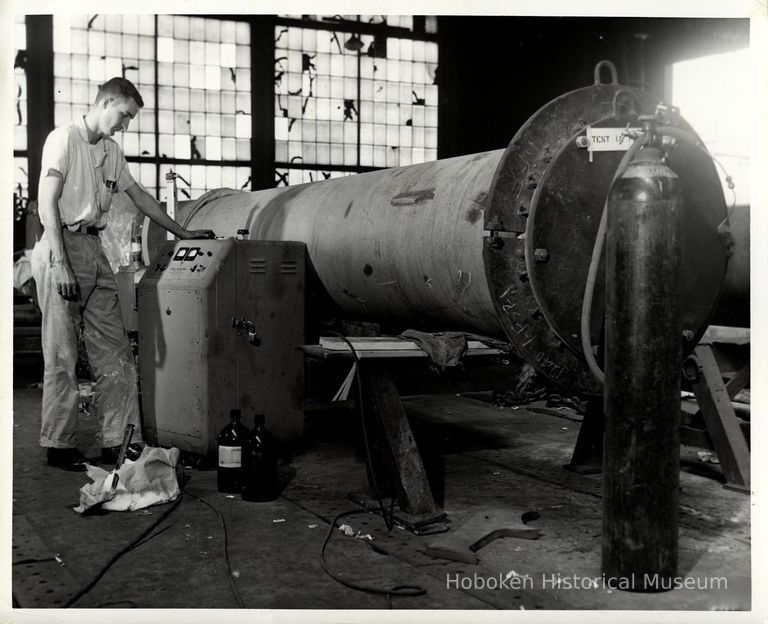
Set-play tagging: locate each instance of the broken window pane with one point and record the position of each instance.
(203, 70)
(365, 84)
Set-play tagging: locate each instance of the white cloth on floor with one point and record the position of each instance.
(150, 480)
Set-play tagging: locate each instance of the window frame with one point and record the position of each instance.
(342, 24)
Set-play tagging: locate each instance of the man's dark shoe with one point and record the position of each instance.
(109, 454)
(67, 459)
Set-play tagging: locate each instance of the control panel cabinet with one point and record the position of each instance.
(220, 325)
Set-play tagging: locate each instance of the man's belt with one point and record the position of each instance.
(91, 230)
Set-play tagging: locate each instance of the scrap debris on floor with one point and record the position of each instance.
(524, 533)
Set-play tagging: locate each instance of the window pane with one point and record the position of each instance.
(328, 75)
(20, 102)
(203, 75)
(727, 137)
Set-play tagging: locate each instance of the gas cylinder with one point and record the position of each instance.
(643, 352)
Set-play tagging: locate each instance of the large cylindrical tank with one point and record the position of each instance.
(733, 309)
(496, 243)
(391, 244)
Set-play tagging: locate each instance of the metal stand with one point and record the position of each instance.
(723, 432)
(714, 399)
(394, 466)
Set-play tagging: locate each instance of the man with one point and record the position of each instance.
(82, 167)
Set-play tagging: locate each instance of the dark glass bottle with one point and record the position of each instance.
(259, 464)
(229, 471)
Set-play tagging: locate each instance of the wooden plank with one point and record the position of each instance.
(729, 335)
(367, 343)
(738, 382)
(323, 353)
(326, 354)
(384, 343)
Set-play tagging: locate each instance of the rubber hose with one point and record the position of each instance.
(594, 264)
(597, 251)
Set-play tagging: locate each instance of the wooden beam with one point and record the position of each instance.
(39, 92)
(262, 102)
(383, 400)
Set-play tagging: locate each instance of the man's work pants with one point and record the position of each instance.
(109, 352)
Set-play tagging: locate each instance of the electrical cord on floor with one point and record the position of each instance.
(82, 592)
(150, 537)
(230, 576)
(397, 590)
(387, 515)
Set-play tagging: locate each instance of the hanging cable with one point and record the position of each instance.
(387, 515)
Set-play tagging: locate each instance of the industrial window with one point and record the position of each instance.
(194, 76)
(703, 88)
(353, 94)
(20, 160)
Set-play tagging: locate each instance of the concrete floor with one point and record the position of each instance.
(480, 456)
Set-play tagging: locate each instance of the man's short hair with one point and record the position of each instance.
(119, 87)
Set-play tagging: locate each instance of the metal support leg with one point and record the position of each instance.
(587, 455)
(714, 399)
(723, 429)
